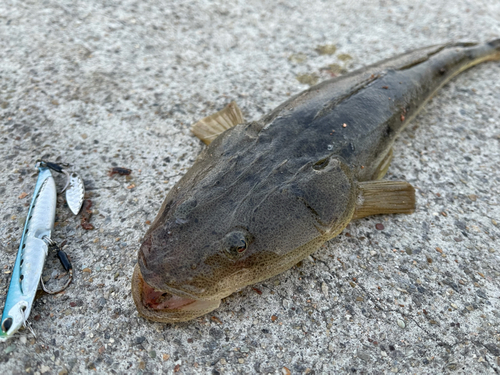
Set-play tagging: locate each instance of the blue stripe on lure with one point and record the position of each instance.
(31, 255)
(34, 246)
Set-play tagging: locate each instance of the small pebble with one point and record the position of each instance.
(324, 289)
(241, 360)
(308, 79)
(9, 349)
(401, 324)
(139, 339)
(452, 366)
(327, 49)
(379, 226)
(364, 356)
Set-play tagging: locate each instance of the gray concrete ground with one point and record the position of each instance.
(117, 83)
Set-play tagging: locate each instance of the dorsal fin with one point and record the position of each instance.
(209, 128)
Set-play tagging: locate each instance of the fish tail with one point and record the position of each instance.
(478, 53)
(492, 50)
(495, 44)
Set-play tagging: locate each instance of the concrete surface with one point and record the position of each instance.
(117, 83)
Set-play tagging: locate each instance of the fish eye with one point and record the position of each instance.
(234, 244)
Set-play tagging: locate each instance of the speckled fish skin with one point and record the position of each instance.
(287, 183)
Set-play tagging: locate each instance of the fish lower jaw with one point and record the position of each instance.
(166, 307)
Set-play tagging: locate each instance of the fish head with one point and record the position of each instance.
(234, 219)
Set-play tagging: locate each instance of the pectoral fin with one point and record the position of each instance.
(384, 197)
(210, 127)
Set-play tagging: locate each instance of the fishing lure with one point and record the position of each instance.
(35, 243)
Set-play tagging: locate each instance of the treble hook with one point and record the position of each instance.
(63, 258)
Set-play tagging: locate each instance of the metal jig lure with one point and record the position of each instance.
(35, 243)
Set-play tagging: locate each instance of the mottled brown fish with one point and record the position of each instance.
(266, 194)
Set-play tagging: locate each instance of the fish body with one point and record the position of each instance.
(266, 194)
(31, 255)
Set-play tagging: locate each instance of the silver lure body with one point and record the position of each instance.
(31, 255)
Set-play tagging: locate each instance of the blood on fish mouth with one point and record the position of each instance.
(160, 300)
(162, 306)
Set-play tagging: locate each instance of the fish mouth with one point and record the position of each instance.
(164, 306)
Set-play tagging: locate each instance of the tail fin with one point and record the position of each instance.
(495, 44)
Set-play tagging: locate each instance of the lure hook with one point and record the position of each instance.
(63, 258)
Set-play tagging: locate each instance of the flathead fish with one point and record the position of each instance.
(265, 194)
